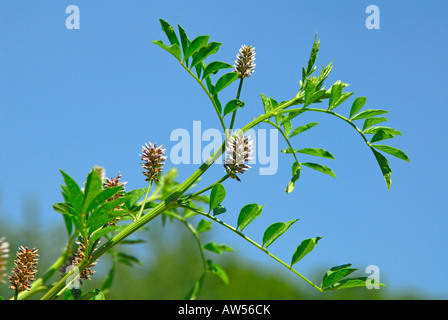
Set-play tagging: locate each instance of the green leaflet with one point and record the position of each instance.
(169, 31)
(219, 210)
(388, 130)
(195, 45)
(217, 248)
(302, 129)
(102, 197)
(384, 166)
(335, 274)
(392, 151)
(335, 94)
(174, 49)
(218, 271)
(295, 176)
(133, 196)
(320, 168)
(313, 57)
(372, 121)
(204, 52)
(185, 42)
(224, 81)
(93, 187)
(357, 105)
(266, 103)
(203, 226)
(305, 247)
(217, 195)
(232, 105)
(276, 230)
(76, 195)
(248, 214)
(214, 67)
(310, 151)
(369, 113)
(381, 135)
(350, 283)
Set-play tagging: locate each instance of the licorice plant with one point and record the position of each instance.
(103, 210)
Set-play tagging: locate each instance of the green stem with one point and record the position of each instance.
(195, 235)
(209, 96)
(284, 136)
(144, 200)
(282, 110)
(190, 196)
(237, 97)
(289, 267)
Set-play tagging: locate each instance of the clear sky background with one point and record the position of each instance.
(72, 99)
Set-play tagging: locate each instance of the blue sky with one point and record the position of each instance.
(72, 99)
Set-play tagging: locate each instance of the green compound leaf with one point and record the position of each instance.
(174, 49)
(232, 105)
(305, 247)
(204, 52)
(320, 168)
(357, 105)
(335, 274)
(302, 129)
(275, 230)
(225, 81)
(248, 214)
(392, 151)
(369, 113)
(384, 166)
(214, 67)
(217, 195)
(195, 45)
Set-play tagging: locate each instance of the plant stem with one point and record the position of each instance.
(237, 97)
(144, 200)
(284, 136)
(331, 113)
(206, 189)
(253, 243)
